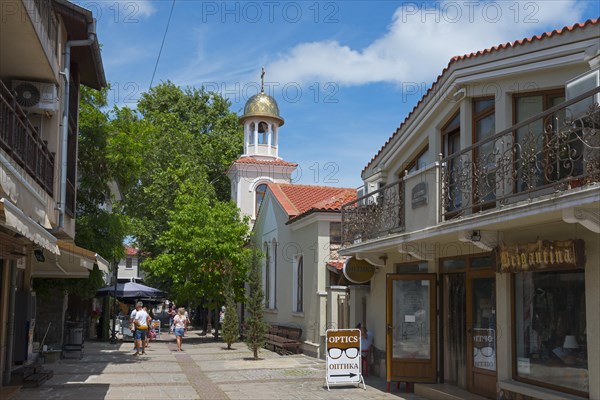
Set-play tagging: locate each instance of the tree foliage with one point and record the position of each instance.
(98, 227)
(231, 331)
(202, 239)
(255, 307)
(180, 142)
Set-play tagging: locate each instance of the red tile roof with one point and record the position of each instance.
(130, 251)
(337, 264)
(299, 200)
(494, 49)
(251, 160)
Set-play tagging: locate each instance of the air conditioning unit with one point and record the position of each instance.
(578, 86)
(36, 97)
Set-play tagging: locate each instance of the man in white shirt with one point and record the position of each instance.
(139, 318)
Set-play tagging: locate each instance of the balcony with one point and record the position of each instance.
(551, 152)
(377, 214)
(22, 142)
(29, 39)
(548, 154)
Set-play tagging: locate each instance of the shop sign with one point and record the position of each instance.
(343, 356)
(419, 195)
(358, 271)
(541, 255)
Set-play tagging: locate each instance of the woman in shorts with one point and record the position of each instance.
(179, 326)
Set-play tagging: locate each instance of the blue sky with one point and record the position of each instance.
(344, 73)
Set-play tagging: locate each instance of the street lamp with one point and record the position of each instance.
(113, 338)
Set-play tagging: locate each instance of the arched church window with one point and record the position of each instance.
(263, 132)
(260, 194)
(251, 136)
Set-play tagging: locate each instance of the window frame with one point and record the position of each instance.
(475, 118)
(299, 284)
(257, 203)
(513, 316)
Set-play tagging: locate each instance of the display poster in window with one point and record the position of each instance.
(343, 356)
(484, 349)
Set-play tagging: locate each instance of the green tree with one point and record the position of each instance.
(201, 247)
(99, 228)
(178, 135)
(231, 331)
(255, 307)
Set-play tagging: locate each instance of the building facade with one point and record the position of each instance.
(129, 266)
(49, 48)
(298, 230)
(483, 208)
(296, 227)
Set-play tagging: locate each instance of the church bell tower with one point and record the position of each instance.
(260, 163)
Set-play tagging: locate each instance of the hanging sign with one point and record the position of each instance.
(343, 356)
(541, 255)
(358, 271)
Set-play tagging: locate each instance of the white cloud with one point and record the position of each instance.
(143, 8)
(421, 41)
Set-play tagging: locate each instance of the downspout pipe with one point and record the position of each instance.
(64, 135)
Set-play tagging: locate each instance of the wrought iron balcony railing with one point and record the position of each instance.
(374, 215)
(551, 151)
(49, 22)
(23, 143)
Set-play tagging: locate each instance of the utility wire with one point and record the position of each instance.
(162, 44)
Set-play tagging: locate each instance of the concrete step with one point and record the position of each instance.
(444, 391)
(36, 380)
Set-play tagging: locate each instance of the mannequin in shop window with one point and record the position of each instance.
(543, 320)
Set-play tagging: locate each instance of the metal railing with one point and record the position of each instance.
(374, 215)
(22, 142)
(549, 152)
(49, 21)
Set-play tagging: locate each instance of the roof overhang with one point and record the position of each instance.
(77, 21)
(72, 262)
(17, 221)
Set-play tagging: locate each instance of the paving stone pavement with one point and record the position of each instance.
(204, 370)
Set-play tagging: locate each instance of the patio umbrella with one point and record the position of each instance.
(131, 290)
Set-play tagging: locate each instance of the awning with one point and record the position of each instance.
(73, 262)
(17, 221)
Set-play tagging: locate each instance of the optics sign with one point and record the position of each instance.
(358, 271)
(343, 356)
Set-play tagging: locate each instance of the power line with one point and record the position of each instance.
(162, 44)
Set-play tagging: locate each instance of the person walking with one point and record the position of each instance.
(149, 324)
(179, 326)
(139, 318)
(172, 312)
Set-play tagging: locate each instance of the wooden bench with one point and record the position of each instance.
(283, 338)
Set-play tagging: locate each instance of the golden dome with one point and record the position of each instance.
(261, 105)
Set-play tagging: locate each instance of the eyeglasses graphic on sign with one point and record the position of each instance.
(335, 353)
(484, 351)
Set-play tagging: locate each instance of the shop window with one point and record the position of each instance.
(550, 330)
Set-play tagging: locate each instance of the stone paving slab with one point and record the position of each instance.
(205, 370)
